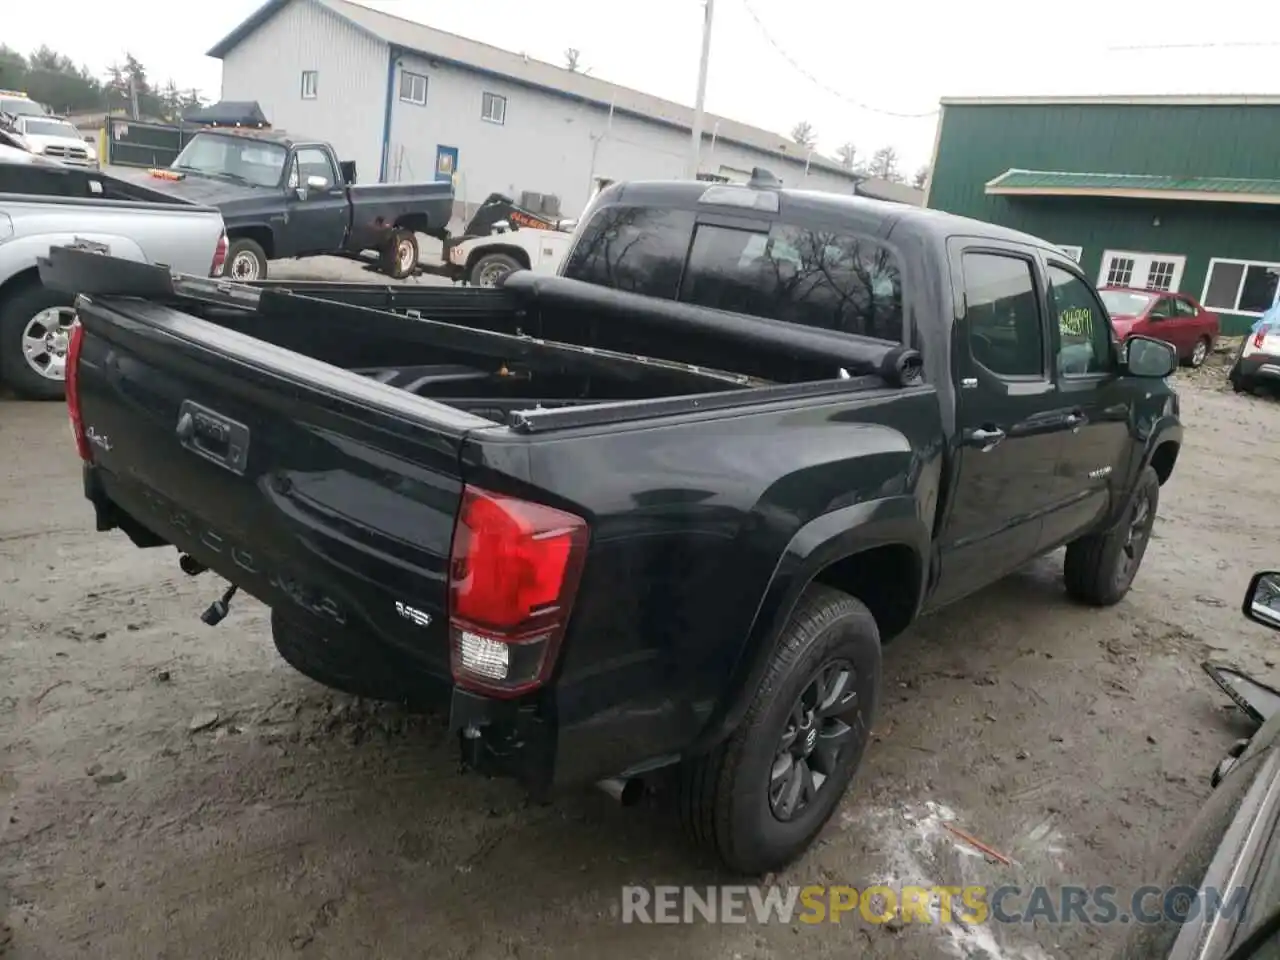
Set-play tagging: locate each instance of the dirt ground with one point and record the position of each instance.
(168, 790)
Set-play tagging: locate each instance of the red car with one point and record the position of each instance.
(1173, 317)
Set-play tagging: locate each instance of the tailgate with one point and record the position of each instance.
(314, 489)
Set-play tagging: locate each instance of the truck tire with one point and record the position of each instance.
(399, 258)
(1100, 567)
(753, 801)
(491, 269)
(364, 671)
(246, 260)
(35, 325)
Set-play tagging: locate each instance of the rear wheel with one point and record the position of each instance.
(246, 261)
(1100, 568)
(1199, 353)
(762, 796)
(399, 258)
(366, 670)
(491, 270)
(35, 331)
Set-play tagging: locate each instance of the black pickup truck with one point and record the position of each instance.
(616, 531)
(280, 198)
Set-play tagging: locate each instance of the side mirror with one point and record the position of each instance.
(1262, 601)
(1148, 357)
(501, 226)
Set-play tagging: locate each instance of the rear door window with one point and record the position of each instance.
(1002, 315)
(812, 277)
(637, 249)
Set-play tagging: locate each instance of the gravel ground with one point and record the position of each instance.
(168, 790)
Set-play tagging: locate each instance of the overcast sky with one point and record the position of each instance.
(844, 67)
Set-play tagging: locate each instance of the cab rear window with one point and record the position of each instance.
(813, 277)
(637, 249)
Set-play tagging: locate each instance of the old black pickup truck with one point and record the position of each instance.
(617, 530)
(281, 197)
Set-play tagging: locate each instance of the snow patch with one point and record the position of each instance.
(919, 850)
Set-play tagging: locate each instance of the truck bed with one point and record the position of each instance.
(543, 353)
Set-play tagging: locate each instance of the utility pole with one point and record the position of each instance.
(696, 146)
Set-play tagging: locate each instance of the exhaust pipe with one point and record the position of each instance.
(626, 790)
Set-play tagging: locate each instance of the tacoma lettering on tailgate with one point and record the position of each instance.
(305, 595)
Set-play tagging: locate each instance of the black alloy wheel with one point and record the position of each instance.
(812, 740)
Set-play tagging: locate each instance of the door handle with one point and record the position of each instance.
(984, 437)
(1076, 418)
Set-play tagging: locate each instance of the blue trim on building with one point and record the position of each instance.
(393, 54)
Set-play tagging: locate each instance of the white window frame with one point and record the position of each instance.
(1075, 253)
(1144, 255)
(310, 84)
(487, 99)
(411, 77)
(1208, 276)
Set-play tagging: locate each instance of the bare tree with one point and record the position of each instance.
(847, 154)
(571, 57)
(921, 177)
(803, 134)
(884, 164)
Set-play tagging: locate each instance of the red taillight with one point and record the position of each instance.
(73, 390)
(219, 256)
(1259, 337)
(513, 574)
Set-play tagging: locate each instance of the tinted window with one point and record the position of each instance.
(816, 278)
(1002, 317)
(1084, 333)
(1182, 308)
(1163, 309)
(40, 180)
(638, 249)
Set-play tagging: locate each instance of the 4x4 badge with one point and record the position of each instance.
(415, 616)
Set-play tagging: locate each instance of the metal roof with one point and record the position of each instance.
(1137, 100)
(518, 68)
(1134, 185)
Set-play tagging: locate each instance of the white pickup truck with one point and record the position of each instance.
(502, 238)
(46, 204)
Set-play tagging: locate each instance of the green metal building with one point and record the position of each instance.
(1167, 193)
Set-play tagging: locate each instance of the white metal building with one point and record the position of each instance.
(408, 102)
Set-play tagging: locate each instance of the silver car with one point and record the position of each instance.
(45, 204)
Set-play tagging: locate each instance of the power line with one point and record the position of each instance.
(1228, 45)
(820, 84)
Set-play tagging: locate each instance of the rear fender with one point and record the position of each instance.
(835, 536)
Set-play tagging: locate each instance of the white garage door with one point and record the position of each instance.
(1145, 271)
